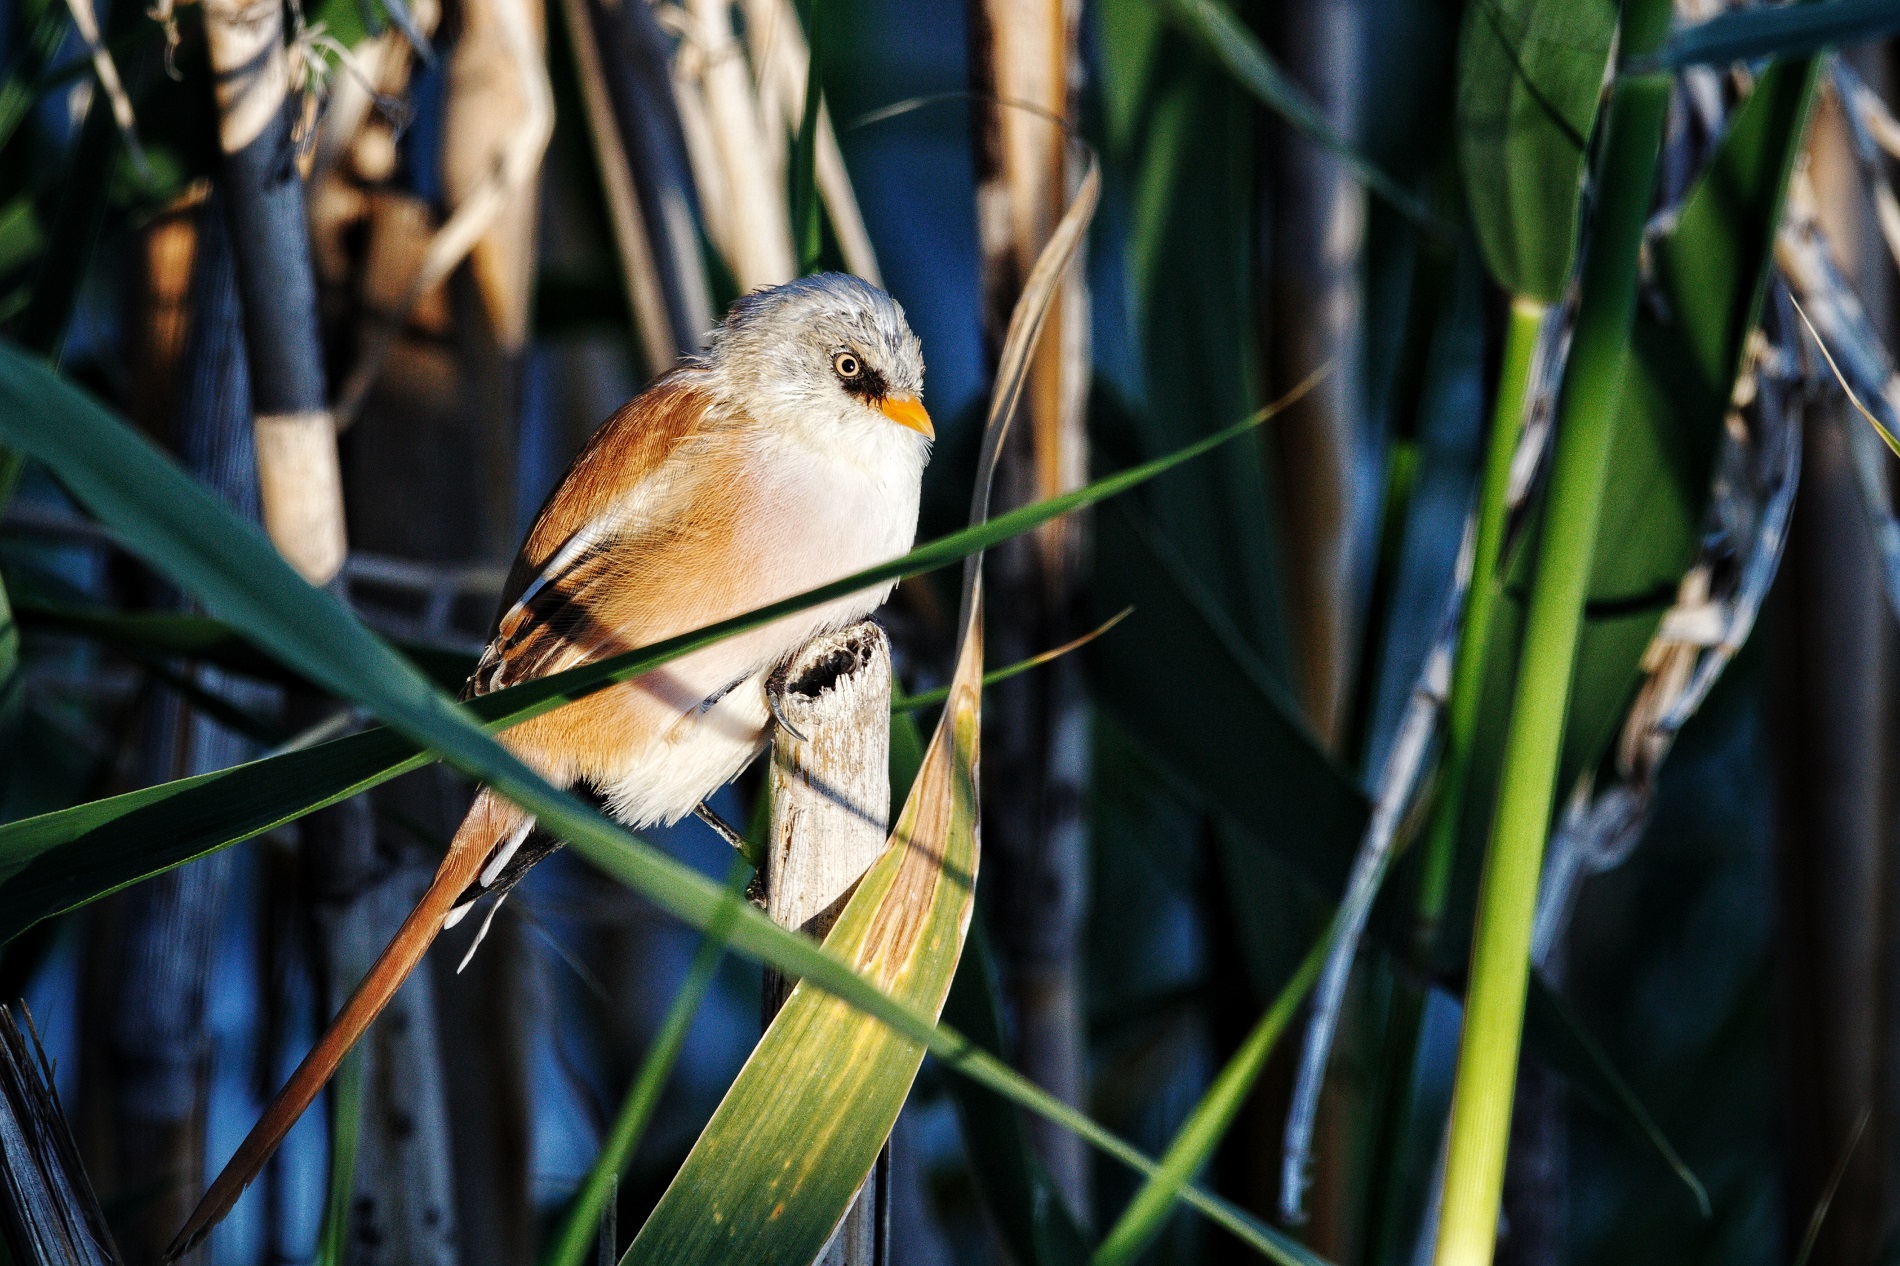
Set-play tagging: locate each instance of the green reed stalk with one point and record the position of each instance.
(1467, 674)
(1500, 959)
(1440, 850)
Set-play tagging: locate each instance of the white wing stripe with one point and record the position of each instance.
(504, 853)
(564, 558)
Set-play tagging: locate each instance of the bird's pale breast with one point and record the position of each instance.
(798, 519)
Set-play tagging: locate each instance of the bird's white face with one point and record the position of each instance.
(830, 360)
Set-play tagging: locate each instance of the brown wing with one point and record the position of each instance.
(568, 560)
(562, 621)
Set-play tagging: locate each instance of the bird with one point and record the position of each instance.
(788, 454)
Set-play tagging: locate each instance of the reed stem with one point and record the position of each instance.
(830, 794)
(1500, 962)
(1467, 674)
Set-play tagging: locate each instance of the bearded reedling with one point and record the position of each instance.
(789, 455)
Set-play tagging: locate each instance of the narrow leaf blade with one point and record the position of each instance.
(61, 860)
(1530, 76)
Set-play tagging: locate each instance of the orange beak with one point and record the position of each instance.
(908, 411)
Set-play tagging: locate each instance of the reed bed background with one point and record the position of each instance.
(1424, 726)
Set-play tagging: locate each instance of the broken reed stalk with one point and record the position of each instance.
(48, 1212)
(299, 479)
(831, 806)
(1036, 779)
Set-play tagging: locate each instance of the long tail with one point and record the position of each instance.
(490, 821)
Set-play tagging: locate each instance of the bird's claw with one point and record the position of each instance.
(775, 700)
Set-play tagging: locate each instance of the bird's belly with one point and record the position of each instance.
(691, 757)
(663, 742)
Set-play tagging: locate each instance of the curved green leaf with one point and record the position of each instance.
(1530, 74)
(778, 1164)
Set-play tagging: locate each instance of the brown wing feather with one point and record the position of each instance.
(628, 447)
(557, 625)
(680, 567)
(650, 581)
(543, 633)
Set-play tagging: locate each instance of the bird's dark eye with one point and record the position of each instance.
(847, 366)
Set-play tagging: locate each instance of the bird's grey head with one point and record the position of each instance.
(829, 350)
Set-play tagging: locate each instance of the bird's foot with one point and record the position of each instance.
(778, 713)
(755, 891)
(727, 831)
